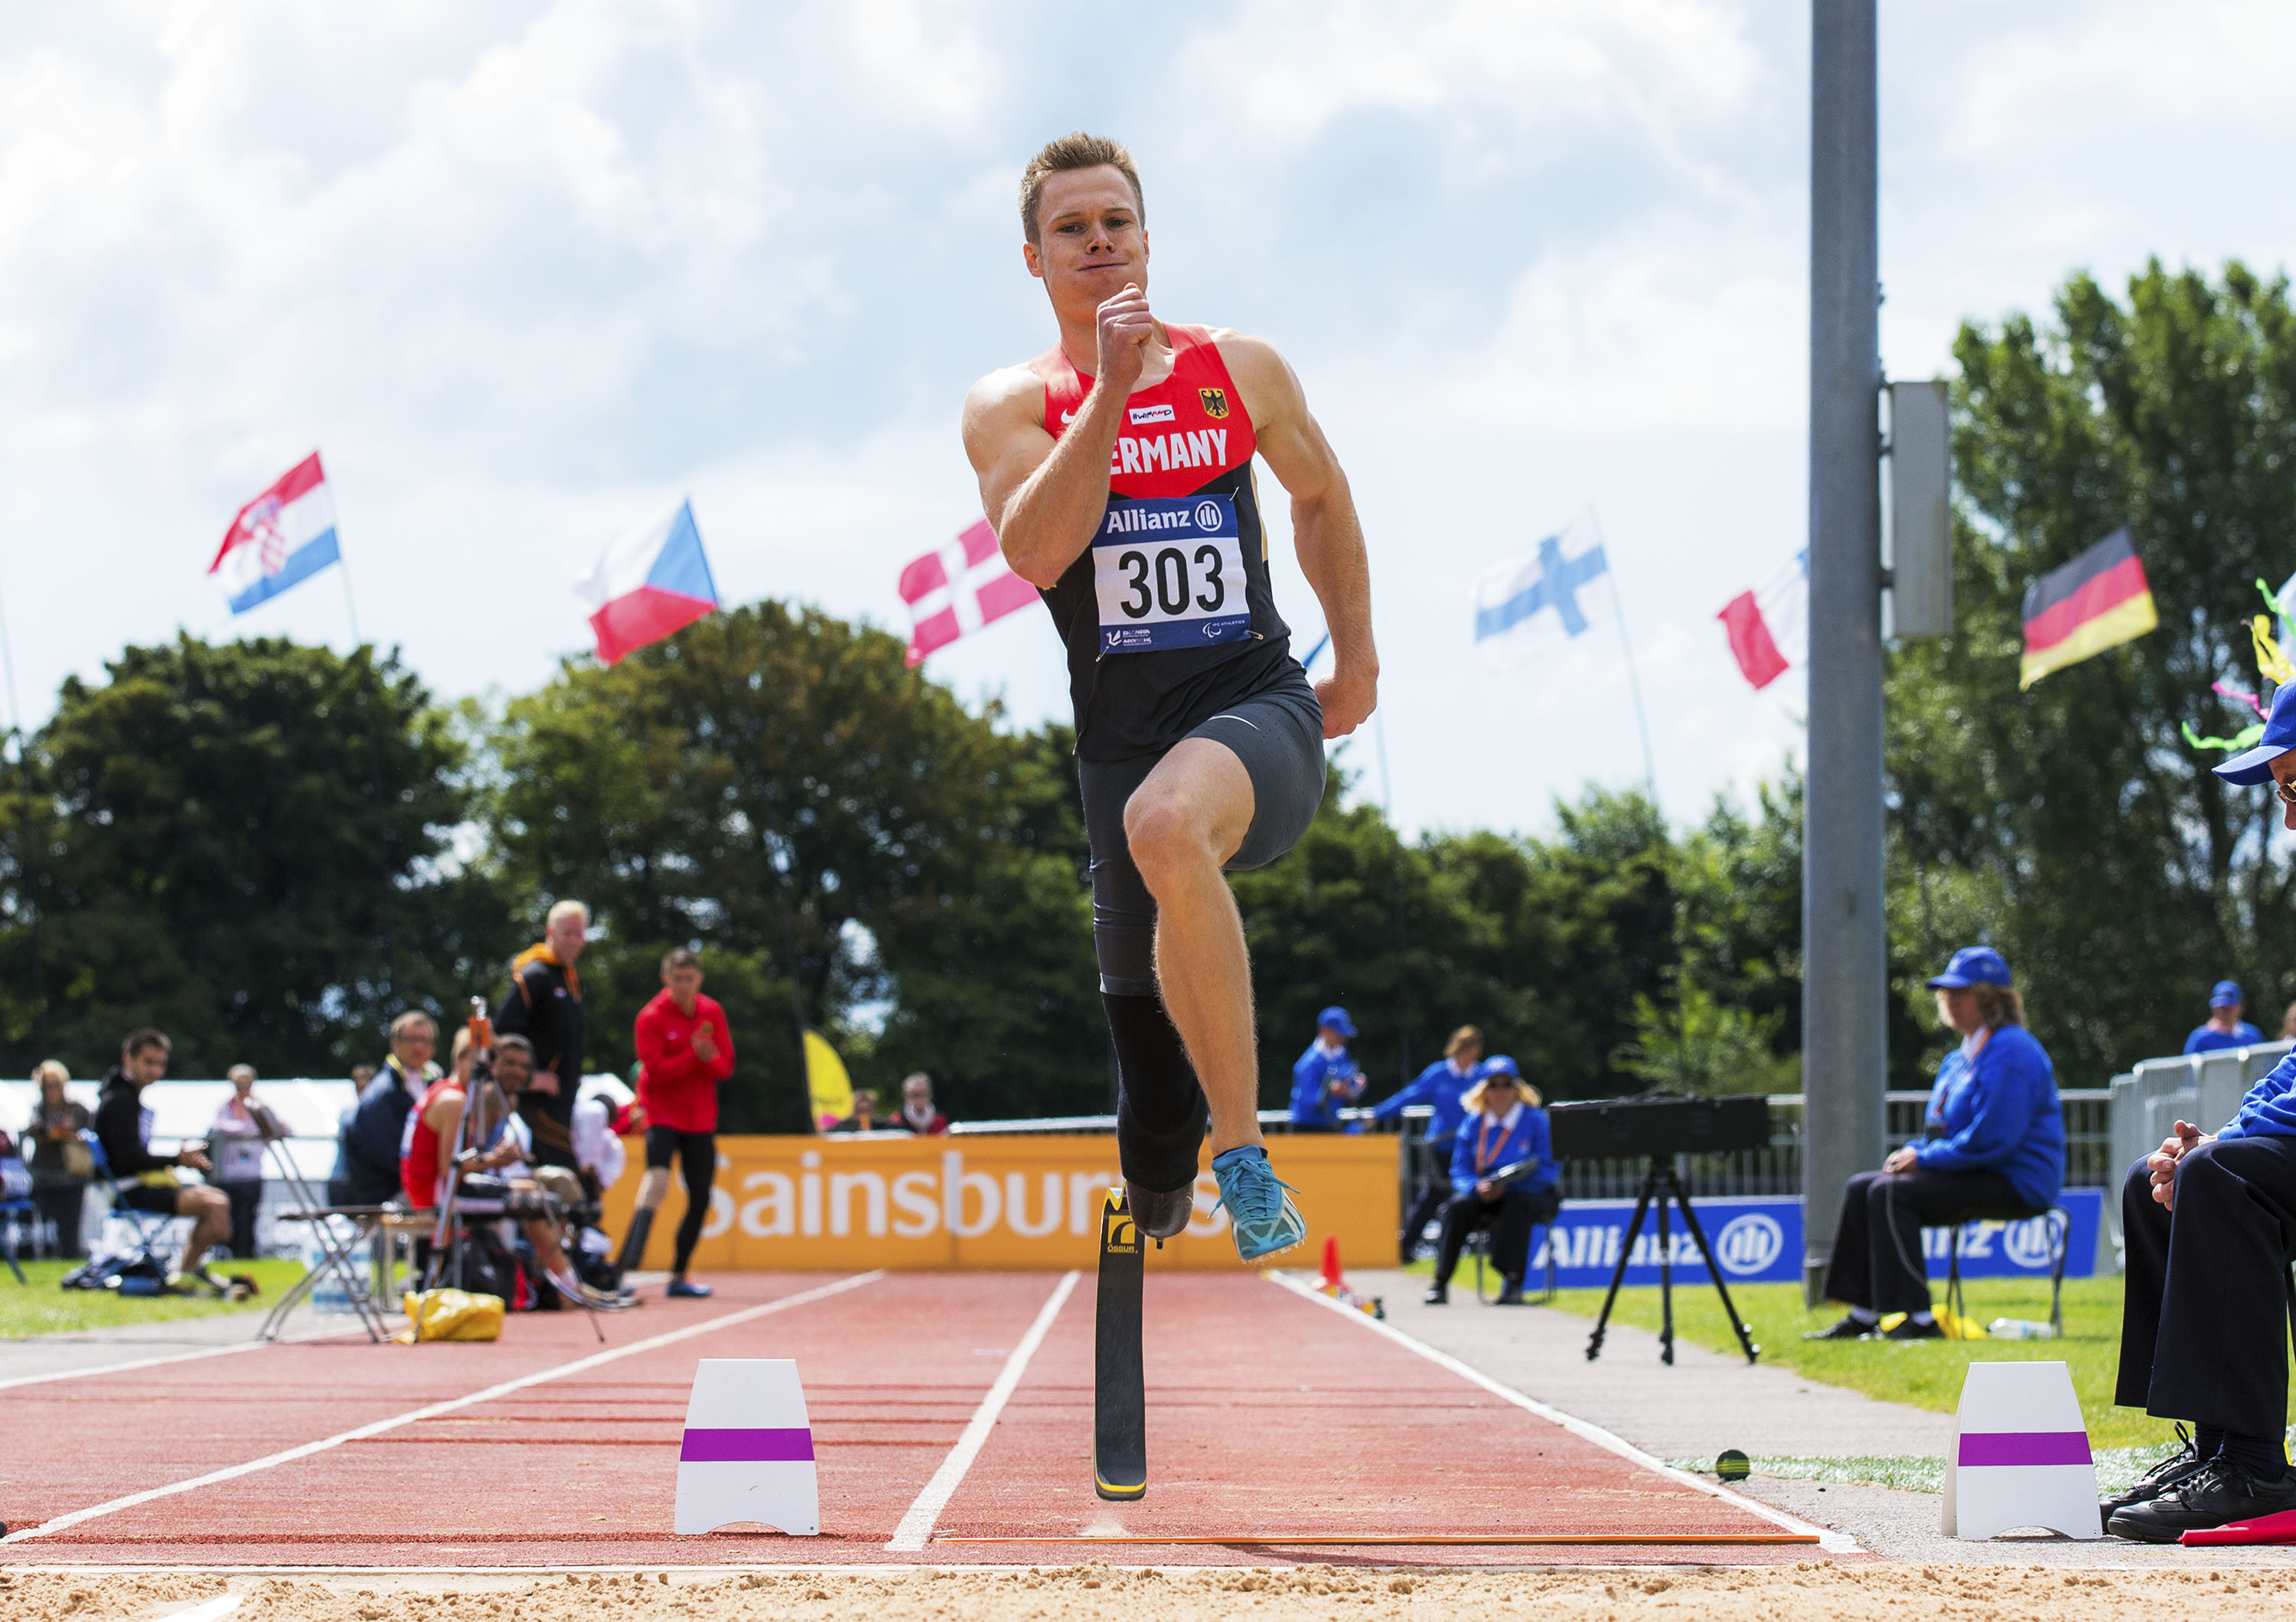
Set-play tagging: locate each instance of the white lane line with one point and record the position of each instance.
(1832, 1543)
(433, 1410)
(153, 1363)
(916, 1527)
(213, 1610)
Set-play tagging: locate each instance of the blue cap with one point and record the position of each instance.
(2226, 993)
(1337, 1018)
(1972, 966)
(2255, 767)
(1501, 1065)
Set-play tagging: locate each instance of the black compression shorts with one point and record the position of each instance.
(1278, 735)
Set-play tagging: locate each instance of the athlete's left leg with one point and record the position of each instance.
(1183, 823)
(697, 1154)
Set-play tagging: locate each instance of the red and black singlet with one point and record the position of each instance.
(1167, 616)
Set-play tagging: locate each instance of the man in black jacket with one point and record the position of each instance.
(369, 1148)
(545, 1006)
(147, 1181)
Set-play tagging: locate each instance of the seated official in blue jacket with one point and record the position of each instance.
(1993, 1146)
(1327, 1077)
(1505, 1128)
(1439, 1086)
(2209, 1223)
(2226, 1027)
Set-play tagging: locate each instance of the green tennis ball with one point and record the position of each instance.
(1733, 1466)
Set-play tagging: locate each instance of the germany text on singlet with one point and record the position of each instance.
(1168, 615)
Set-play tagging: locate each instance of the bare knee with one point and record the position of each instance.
(1167, 840)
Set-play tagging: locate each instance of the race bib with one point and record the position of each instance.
(1169, 574)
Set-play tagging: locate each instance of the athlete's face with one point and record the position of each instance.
(1090, 239)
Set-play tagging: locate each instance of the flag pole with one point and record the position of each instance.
(1634, 678)
(350, 603)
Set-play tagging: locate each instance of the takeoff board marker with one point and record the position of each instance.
(1120, 1405)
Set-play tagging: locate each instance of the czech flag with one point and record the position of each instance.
(2098, 601)
(653, 581)
(1769, 628)
(279, 539)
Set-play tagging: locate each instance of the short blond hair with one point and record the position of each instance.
(569, 908)
(1074, 150)
(408, 1021)
(50, 1070)
(1466, 1036)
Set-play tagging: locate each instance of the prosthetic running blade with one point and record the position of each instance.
(1120, 1407)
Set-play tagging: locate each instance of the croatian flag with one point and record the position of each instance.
(653, 581)
(279, 539)
(1550, 596)
(960, 587)
(1769, 628)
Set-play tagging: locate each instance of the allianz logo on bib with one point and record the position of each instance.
(1209, 515)
(1144, 414)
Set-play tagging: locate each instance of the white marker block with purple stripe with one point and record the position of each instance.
(748, 1450)
(2020, 1455)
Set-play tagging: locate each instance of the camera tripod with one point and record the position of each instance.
(1659, 1183)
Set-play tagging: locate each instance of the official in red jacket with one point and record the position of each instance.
(686, 1050)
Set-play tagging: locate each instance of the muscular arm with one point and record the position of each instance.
(1044, 497)
(1325, 528)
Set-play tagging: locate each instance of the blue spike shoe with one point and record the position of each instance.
(1258, 1204)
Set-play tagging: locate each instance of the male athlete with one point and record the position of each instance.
(1117, 470)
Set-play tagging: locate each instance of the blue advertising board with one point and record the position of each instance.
(1759, 1242)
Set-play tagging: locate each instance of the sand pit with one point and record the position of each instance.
(1817, 1592)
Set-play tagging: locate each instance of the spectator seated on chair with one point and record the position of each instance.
(147, 1182)
(1503, 1167)
(432, 1131)
(1994, 1147)
(2209, 1223)
(372, 1136)
(864, 1118)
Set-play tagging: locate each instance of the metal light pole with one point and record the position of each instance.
(1845, 1042)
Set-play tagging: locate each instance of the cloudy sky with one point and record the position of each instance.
(529, 273)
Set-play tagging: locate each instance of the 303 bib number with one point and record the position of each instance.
(1168, 573)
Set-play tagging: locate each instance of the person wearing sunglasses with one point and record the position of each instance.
(2209, 1221)
(1503, 1167)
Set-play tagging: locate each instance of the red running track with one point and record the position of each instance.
(1270, 1414)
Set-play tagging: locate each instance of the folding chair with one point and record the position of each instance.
(2060, 1227)
(148, 1226)
(15, 1206)
(1478, 1246)
(338, 1257)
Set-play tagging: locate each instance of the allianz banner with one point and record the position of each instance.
(793, 1203)
(1759, 1242)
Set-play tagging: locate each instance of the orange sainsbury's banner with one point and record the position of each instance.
(789, 1203)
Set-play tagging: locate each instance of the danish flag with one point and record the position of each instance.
(959, 587)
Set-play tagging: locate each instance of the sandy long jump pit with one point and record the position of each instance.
(1806, 1592)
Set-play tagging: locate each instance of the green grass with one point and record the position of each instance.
(38, 1308)
(1923, 1374)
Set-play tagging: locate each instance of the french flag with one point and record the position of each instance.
(1769, 628)
(960, 587)
(280, 539)
(653, 581)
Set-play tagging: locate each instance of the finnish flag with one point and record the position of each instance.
(1547, 599)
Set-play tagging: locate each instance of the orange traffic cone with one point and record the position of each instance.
(1332, 1283)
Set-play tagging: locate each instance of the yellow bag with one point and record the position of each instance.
(454, 1314)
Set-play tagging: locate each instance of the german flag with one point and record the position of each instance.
(2097, 602)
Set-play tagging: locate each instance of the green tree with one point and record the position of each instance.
(781, 789)
(2070, 825)
(246, 844)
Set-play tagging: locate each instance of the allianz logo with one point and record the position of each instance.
(2023, 1244)
(1747, 1244)
(918, 1204)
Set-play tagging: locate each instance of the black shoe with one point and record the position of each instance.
(1159, 1216)
(1849, 1328)
(2217, 1493)
(1510, 1294)
(1909, 1329)
(2177, 1467)
(1439, 1296)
